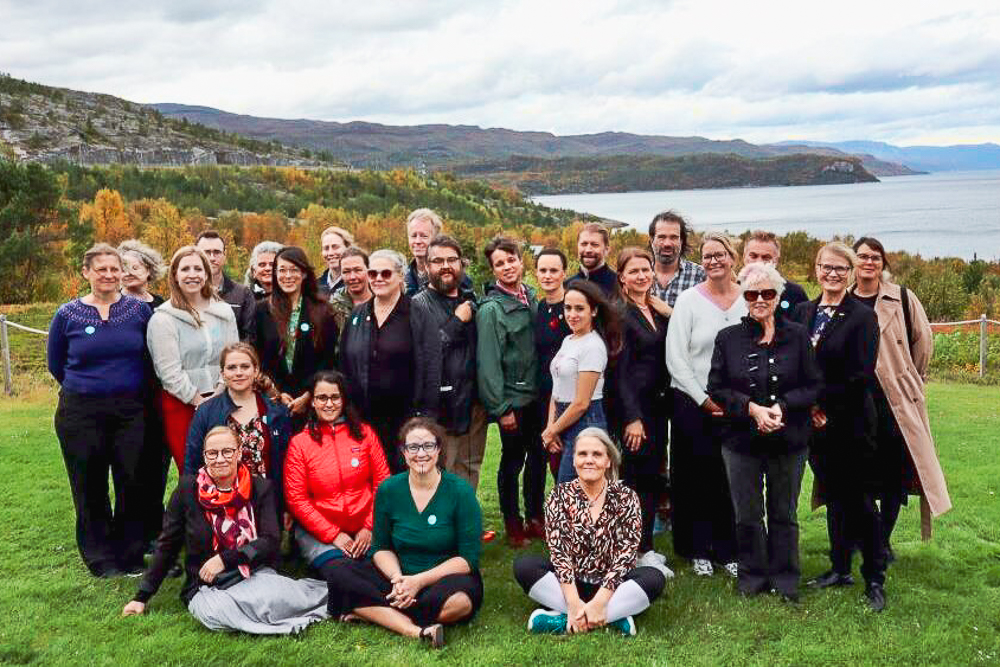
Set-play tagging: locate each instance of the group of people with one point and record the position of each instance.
(350, 410)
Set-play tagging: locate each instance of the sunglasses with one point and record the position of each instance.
(754, 294)
(385, 274)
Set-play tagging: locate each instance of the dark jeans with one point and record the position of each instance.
(767, 556)
(704, 525)
(594, 416)
(96, 433)
(522, 448)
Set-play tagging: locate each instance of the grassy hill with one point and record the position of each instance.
(46, 124)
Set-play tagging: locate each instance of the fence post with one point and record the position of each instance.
(8, 379)
(982, 345)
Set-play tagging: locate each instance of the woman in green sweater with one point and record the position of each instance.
(426, 541)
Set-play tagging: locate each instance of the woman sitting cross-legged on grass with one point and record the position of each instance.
(225, 520)
(592, 527)
(332, 471)
(426, 541)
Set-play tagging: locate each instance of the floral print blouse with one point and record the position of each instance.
(253, 438)
(597, 552)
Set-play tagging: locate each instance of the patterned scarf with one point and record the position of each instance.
(228, 512)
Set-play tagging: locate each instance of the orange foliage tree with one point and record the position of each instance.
(107, 217)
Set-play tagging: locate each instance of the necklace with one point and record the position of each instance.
(592, 501)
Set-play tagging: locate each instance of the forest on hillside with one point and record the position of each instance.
(49, 216)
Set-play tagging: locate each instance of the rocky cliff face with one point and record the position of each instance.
(43, 124)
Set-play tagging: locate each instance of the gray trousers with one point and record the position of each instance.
(463, 454)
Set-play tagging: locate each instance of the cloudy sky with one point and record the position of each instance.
(903, 71)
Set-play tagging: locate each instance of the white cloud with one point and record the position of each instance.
(892, 70)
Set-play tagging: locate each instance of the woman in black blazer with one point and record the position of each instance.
(641, 403)
(295, 331)
(765, 378)
(845, 335)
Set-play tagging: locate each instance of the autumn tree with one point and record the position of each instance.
(107, 216)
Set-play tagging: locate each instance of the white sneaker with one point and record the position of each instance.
(702, 567)
(732, 569)
(651, 559)
(667, 572)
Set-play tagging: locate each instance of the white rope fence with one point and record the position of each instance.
(8, 375)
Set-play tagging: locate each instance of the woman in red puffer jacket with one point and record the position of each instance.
(332, 470)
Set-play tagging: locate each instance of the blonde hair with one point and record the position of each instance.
(345, 235)
(177, 297)
(727, 244)
(596, 228)
(843, 251)
(614, 455)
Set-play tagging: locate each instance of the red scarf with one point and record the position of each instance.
(228, 512)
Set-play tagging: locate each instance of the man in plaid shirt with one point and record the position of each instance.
(668, 238)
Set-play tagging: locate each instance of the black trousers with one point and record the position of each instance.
(897, 472)
(641, 470)
(767, 556)
(359, 584)
(97, 433)
(522, 449)
(155, 467)
(852, 517)
(704, 525)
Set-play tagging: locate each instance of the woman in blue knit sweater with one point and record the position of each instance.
(97, 353)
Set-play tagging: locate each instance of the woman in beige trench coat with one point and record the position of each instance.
(906, 448)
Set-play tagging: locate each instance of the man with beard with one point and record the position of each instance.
(445, 337)
(355, 290)
(238, 296)
(507, 374)
(593, 244)
(668, 238)
(764, 247)
(333, 242)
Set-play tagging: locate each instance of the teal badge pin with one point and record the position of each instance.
(431, 520)
(304, 327)
(90, 330)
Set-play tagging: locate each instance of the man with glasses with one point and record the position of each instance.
(238, 296)
(668, 239)
(765, 248)
(445, 338)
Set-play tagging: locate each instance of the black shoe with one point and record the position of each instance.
(890, 555)
(876, 597)
(831, 578)
(107, 572)
(175, 571)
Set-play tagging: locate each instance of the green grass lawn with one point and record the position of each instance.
(944, 596)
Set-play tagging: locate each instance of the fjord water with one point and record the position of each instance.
(948, 214)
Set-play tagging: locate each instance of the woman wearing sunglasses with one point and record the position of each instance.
(765, 378)
(296, 333)
(424, 573)
(377, 353)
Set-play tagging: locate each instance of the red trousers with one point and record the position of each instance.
(177, 417)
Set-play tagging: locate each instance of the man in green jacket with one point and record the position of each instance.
(507, 377)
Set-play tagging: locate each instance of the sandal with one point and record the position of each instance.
(350, 618)
(433, 634)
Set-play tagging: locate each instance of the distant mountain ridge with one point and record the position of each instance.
(364, 144)
(964, 157)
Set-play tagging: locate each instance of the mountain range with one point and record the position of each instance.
(965, 157)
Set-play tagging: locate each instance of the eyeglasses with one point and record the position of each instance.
(833, 268)
(754, 294)
(227, 453)
(713, 257)
(323, 399)
(874, 259)
(441, 261)
(414, 447)
(384, 274)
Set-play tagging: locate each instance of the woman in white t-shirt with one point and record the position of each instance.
(578, 370)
